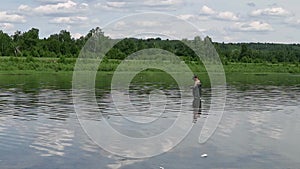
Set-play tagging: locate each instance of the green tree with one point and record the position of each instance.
(245, 54)
(5, 44)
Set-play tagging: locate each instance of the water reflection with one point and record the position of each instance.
(197, 105)
(122, 162)
(260, 128)
(55, 104)
(52, 140)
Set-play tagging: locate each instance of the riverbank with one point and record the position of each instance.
(21, 64)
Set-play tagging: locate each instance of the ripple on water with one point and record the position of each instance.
(52, 139)
(260, 123)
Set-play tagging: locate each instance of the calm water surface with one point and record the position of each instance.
(39, 127)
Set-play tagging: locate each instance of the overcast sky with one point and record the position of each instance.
(223, 20)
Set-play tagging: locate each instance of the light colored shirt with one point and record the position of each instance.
(197, 89)
(197, 82)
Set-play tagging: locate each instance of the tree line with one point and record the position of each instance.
(62, 45)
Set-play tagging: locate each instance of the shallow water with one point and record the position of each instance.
(39, 128)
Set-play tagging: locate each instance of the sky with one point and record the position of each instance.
(276, 21)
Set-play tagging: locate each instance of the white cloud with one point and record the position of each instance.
(229, 38)
(52, 8)
(154, 25)
(84, 6)
(254, 26)
(293, 21)
(207, 11)
(274, 11)
(251, 4)
(137, 5)
(120, 24)
(24, 8)
(69, 20)
(51, 1)
(186, 16)
(62, 7)
(116, 4)
(192, 18)
(147, 23)
(76, 35)
(6, 17)
(162, 2)
(227, 16)
(6, 26)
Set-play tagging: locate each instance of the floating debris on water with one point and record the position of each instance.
(204, 155)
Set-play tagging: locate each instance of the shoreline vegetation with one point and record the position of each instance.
(26, 51)
(25, 64)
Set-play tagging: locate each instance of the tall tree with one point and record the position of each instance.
(5, 44)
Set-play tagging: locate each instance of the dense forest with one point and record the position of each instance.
(29, 44)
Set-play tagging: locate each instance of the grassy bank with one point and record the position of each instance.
(19, 64)
(36, 64)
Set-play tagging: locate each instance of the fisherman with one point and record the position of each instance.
(196, 87)
(197, 98)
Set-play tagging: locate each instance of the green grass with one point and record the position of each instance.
(15, 64)
(262, 68)
(36, 64)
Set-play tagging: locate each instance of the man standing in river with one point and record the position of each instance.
(197, 98)
(196, 87)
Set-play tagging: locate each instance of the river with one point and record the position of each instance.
(260, 127)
